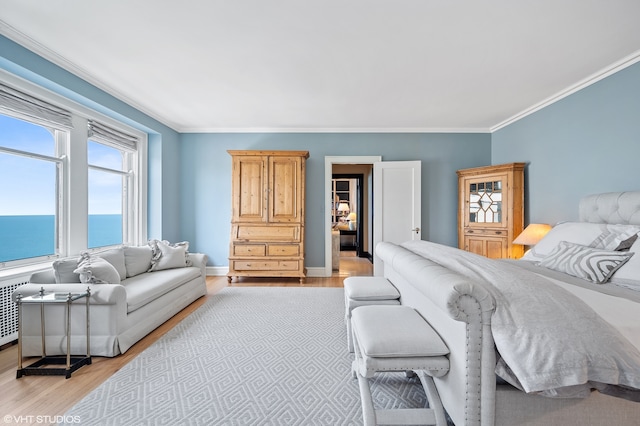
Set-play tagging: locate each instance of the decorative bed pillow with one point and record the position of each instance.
(582, 233)
(588, 263)
(628, 275)
(116, 258)
(616, 237)
(137, 260)
(63, 270)
(168, 256)
(597, 235)
(96, 270)
(626, 245)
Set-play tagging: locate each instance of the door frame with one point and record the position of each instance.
(329, 161)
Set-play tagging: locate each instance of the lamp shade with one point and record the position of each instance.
(343, 207)
(532, 234)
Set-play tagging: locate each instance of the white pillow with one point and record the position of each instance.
(628, 275)
(96, 270)
(116, 258)
(588, 263)
(597, 235)
(137, 260)
(614, 235)
(167, 255)
(63, 270)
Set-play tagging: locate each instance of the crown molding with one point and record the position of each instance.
(592, 79)
(59, 60)
(55, 58)
(332, 130)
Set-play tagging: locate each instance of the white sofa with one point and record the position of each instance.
(152, 288)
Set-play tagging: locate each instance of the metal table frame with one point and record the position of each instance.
(71, 363)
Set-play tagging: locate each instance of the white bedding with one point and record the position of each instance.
(551, 342)
(621, 313)
(615, 303)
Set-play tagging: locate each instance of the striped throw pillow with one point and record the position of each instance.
(588, 263)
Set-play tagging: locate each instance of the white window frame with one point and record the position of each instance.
(129, 203)
(59, 161)
(71, 150)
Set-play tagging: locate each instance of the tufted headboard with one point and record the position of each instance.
(611, 207)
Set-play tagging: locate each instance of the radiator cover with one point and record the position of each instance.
(9, 309)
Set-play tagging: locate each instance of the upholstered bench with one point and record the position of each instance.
(364, 291)
(397, 338)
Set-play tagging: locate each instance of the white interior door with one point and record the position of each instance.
(397, 207)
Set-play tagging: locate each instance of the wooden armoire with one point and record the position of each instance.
(267, 217)
(491, 210)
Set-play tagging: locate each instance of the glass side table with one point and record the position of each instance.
(41, 366)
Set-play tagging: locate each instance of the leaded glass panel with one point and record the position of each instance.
(485, 202)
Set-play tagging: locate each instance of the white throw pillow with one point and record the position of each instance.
(137, 260)
(597, 235)
(613, 236)
(628, 275)
(116, 258)
(588, 263)
(168, 256)
(63, 270)
(96, 270)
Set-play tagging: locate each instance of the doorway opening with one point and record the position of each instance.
(349, 215)
(348, 165)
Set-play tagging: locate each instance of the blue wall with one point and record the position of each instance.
(585, 143)
(206, 180)
(588, 142)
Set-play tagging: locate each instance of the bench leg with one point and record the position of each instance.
(433, 397)
(368, 411)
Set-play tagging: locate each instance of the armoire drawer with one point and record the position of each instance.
(283, 250)
(486, 231)
(249, 249)
(265, 265)
(267, 233)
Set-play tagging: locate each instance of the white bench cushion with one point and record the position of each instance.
(395, 332)
(369, 288)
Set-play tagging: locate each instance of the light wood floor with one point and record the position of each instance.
(54, 395)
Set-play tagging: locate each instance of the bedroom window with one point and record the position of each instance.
(68, 183)
(111, 159)
(32, 149)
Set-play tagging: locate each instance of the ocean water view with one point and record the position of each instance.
(23, 237)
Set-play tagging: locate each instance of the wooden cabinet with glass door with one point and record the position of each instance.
(491, 210)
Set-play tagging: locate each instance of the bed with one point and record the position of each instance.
(551, 339)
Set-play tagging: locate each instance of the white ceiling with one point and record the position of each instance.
(328, 65)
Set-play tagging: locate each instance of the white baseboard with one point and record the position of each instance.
(219, 271)
(315, 272)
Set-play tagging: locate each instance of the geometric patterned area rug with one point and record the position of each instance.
(248, 356)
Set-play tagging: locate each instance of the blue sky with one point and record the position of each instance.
(27, 186)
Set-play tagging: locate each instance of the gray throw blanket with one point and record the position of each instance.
(549, 341)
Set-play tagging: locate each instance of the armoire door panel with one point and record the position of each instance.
(250, 184)
(284, 195)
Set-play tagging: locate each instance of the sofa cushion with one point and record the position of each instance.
(137, 260)
(63, 270)
(167, 255)
(96, 270)
(116, 258)
(145, 288)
